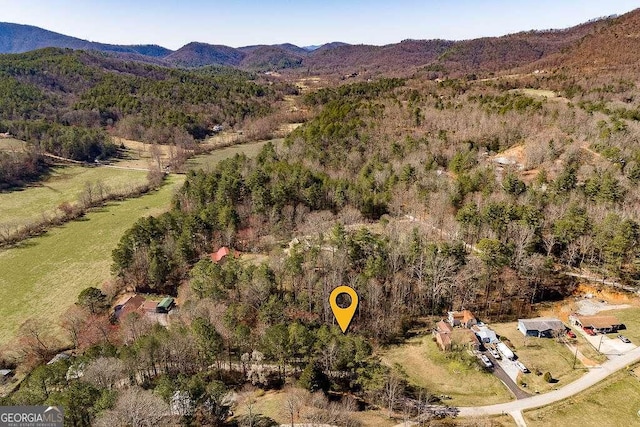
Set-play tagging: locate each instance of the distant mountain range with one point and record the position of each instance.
(17, 38)
(440, 57)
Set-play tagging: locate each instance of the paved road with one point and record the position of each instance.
(506, 379)
(594, 376)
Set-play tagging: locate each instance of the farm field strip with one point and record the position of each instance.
(64, 184)
(43, 276)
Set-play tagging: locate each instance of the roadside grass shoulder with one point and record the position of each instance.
(612, 402)
(42, 276)
(426, 366)
(541, 355)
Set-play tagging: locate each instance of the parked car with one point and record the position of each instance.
(494, 353)
(570, 333)
(624, 339)
(589, 331)
(485, 360)
(522, 368)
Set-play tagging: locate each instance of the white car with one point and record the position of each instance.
(494, 353)
(521, 367)
(485, 360)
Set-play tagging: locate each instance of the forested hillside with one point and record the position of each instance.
(16, 38)
(440, 57)
(70, 103)
(424, 194)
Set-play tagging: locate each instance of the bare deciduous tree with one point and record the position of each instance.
(104, 372)
(135, 407)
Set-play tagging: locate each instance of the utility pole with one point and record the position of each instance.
(575, 356)
(601, 336)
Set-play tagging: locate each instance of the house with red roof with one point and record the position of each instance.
(222, 253)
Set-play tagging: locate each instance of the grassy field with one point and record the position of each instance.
(42, 277)
(272, 404)
(543, 354)
(11, 144)
(426, 366)
(64, 184)
(613, 402)
(209, 161)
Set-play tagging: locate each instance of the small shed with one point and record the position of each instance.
(485, 334)
(58, 357)
(165, 305)
(5, 375)
(541, 327)
(599, 324)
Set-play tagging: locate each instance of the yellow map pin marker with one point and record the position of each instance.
(343, 315)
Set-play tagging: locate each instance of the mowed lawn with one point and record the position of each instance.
(42, 277)
(64, 184)
(543, 355)
(612, 402)
(425, 365)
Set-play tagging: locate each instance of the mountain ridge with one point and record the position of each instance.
(438, 57)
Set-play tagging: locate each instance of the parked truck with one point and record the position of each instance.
(505, 351)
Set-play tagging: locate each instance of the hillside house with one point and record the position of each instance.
(148, 307)
(598, 324)
(463, 318)
(540, 327)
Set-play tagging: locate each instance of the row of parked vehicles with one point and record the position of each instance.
(499, 351)
(592, 333)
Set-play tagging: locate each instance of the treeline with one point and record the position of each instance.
(73, 142)
(18, 168)
(77, 95)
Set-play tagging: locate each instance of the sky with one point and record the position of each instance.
(172, 23)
